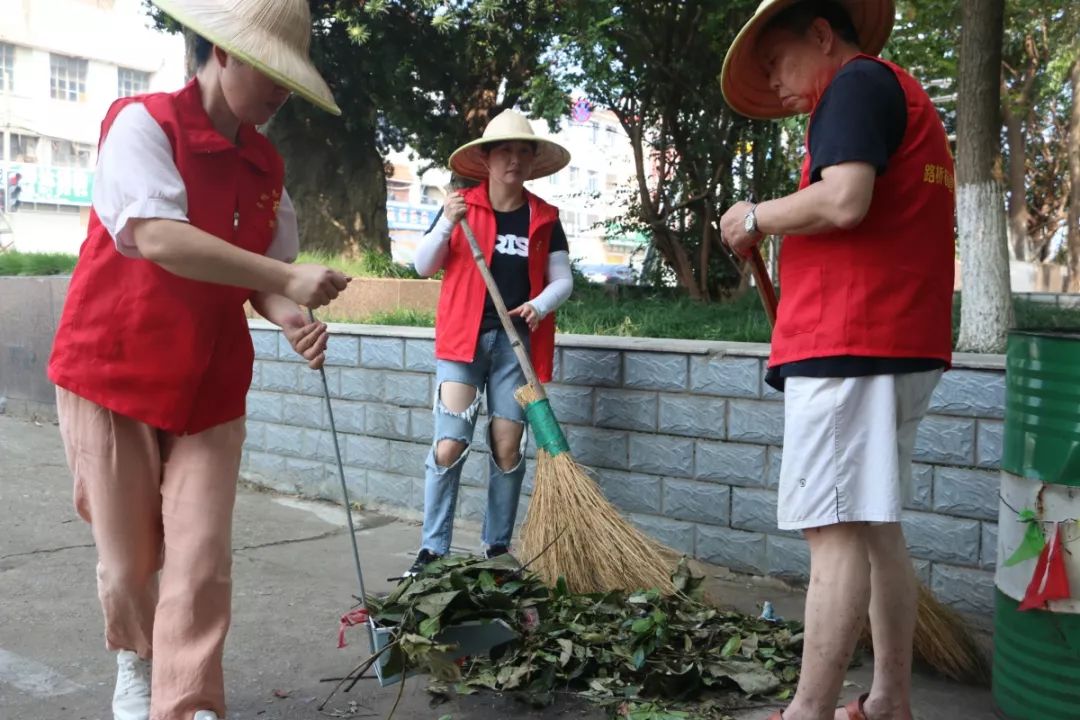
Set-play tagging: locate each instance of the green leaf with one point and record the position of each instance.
(642, 625)
(639, 658)
(435, 604)
(731, 646)
(567, 651)
(430, 627)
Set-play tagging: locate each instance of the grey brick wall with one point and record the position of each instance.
(685, 438)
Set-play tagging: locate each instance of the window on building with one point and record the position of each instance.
(610, 182)
(575, 176)
(7, 68)
(569, 222)
(594, 182)
(132, 82)
(67, 78)
(24, 148)
(610, 136)
(594, 132)
(71, 154)
(553, 178)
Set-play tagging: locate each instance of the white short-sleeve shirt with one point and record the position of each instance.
(136, 178)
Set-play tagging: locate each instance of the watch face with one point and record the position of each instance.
(749, 223)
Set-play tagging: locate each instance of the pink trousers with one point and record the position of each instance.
(160, 508)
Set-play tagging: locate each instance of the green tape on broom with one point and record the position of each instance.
(549, 436)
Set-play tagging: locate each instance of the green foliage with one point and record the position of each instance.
(639, 654)
(656, 65)
(369, 264)
(19, 263)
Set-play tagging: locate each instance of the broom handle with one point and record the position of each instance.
(766, 290)
(504, 314)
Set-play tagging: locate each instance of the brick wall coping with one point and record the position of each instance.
(968, 361)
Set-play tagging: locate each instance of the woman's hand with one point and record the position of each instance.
(308, 339)
(454, 207)
(529, 314)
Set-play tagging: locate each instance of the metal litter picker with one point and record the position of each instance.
(469, 638)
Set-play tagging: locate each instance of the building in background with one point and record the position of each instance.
(62, 63)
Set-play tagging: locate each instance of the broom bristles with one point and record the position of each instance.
(572, 531)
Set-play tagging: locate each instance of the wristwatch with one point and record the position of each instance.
(750, 223)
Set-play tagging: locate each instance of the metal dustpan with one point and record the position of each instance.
(469, 638)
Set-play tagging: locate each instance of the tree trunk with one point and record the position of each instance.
(986, 312)
(1074, 181)
(340, 206)
(1018, 206)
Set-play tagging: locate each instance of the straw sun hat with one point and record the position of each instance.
(744, 82)
(469, 160)
(273, 36)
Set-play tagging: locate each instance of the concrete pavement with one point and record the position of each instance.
(293, 579)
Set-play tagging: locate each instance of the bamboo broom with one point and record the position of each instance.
(571, 530)
(943, 641)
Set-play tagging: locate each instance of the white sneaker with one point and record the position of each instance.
(206, 715)
(131, 699)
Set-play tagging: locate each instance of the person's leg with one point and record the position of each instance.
(894, 588)
(507, 438)
(836, 607)
(893, 607)
(457, 404)
(116, 464)
(198, 493)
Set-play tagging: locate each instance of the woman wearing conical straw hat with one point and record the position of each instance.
(526, 248)
(153, 359)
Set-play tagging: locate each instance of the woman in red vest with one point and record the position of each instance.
(526, 249)
(153, 358)
(863, 331)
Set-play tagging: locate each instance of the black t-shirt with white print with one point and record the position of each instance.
(510, 262)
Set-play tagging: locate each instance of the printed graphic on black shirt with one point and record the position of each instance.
(510, 263)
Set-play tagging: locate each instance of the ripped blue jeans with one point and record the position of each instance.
(495, 374)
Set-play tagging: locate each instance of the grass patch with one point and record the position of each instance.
(376, 265)
(19, 263)
(640, 312)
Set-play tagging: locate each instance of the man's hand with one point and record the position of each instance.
(308, 339)
(733, 230)
(529, 314)
(314, 285)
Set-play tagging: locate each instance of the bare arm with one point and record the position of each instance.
(189, 252)
(839, 201)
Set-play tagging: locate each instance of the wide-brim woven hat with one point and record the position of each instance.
(509, 125)
(743, 79)
(273, 36)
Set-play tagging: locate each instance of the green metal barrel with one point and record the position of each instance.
(1036, 672)
(1042, 407)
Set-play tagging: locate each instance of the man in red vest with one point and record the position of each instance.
(863, 331)
(153, 358)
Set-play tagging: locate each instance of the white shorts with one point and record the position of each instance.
(847, 447)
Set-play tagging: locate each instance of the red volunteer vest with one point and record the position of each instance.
(461, 300)
(884, 288)
(170, 352)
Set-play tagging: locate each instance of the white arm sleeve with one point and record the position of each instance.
(286, 243)
(433, 248)
(136, 177)
(559, 286)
